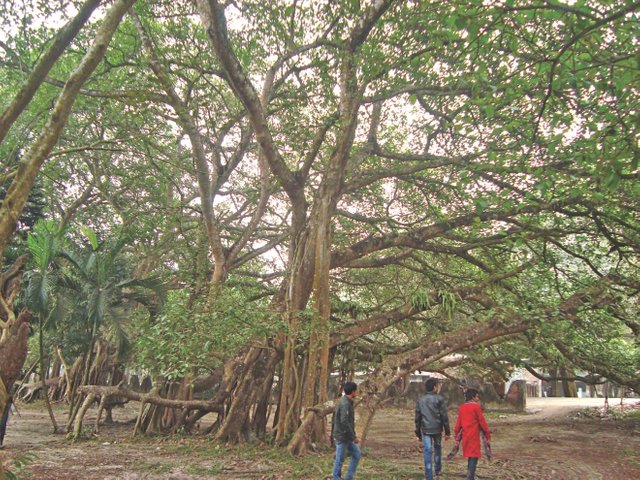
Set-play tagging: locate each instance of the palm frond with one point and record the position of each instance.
(115, 249)
(44, 245)
(91, 267)
(36, 247)
(154, 284)
(69, 282)
(77, 262)
(33, 291)
(59, 312)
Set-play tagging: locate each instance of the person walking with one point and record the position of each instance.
(471, 423)
(431, 420)
(344, 433)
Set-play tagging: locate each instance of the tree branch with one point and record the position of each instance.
(61, 41)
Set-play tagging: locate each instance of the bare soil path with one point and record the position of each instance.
(556, 439)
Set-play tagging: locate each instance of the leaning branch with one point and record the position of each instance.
(48, 59)
(415, 238)
(386, 319)
(33, 160)
(214, 21)
(153, 398)
(105, 393)
(375, 390)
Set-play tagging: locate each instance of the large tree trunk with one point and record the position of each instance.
(318, 352)
(13, 352)
(318, 368)
(321, 240)
(310, 268)
(569, 386)
(310, 243)
(263, 405)
(15, 329)
(253, 376)
(294, 295)
(13, 336)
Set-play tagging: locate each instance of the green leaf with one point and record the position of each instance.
(611, 180)
(489, 110)
(481, 204)
(91, 236)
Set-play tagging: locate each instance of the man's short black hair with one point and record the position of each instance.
(350, 387)
(470, 394)
(430, 384)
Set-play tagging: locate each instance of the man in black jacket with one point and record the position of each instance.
(431, 419)
(344, 433)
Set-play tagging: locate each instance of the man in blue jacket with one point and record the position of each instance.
(344, 433)
(431, 419)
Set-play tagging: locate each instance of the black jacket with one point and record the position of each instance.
(431, 415)
(343, 428)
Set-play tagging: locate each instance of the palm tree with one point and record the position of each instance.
(100, 279)
(44, 244)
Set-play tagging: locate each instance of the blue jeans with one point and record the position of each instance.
(472, 463)
(342, 448)
(432, 448)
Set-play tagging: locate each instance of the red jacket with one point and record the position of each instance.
(471, 421)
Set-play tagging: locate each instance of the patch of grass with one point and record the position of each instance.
(633, 414)
(613, 413)
(278, 459)
(198, 470)
(631, 454)
(18, 469)
(381, 469)
(263, 458)
(502, 413)
(154, 467)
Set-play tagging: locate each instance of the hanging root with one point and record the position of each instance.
(89, 399)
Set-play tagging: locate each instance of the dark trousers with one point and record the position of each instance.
(472, 463)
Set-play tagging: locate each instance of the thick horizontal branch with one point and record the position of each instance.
(501, 326)
(152, 398)
(383, 320)
(431, 91)
(415, 238)
(588, 379)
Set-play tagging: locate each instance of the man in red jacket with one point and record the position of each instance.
(471, 421)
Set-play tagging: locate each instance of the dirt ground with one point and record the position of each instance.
(555, 439)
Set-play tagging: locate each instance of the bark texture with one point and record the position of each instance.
(15, 329)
